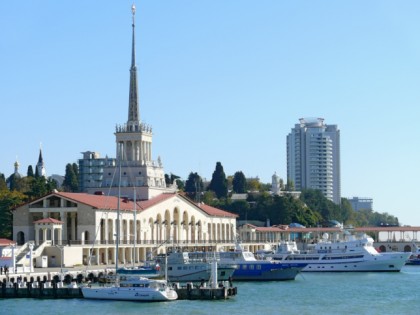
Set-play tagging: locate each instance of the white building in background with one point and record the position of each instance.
(313, 157)
(361, 203)
(277, 189)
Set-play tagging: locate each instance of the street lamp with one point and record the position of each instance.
(13, 246)
(61, 247)
(31, 248)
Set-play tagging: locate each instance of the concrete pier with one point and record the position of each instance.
(60, 290)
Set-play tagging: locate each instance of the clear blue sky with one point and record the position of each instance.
(218, 81)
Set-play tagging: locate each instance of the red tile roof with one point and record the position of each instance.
(111, 203)
(215, 212)
(6, 242)
(49, 220)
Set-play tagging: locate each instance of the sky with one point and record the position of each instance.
(219, 81)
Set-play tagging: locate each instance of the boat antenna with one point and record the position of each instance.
(135, 228)
(118, 211)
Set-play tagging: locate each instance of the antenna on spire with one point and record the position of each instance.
(133, 9)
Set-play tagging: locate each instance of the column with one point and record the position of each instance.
(37, 235)
(106, 230)
(44, 234)
(97, 256)
(52, 235)
(73, 227)
(133, 151)
(150, 151)
(60, 236)
(63, 230)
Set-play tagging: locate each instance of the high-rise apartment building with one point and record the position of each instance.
(313, 157)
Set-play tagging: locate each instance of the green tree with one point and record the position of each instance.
(240, 207)
(3, 185)
(170, 179)
(40, 186)
(194, 186)
(30, 172)
(239, 183)
(70, 183)
(209, 198)
(253, 185)
(290, 185)
(218, 182)
(76, 172)
(8, 201)
(16, 183)
(318, 202)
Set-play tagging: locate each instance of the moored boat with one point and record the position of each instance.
(350, 254)
(249, 268)
(194, 267)
(414, 258)
(131, 288)
(147, 271)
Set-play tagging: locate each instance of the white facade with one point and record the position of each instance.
(313, 157)
(89, 223)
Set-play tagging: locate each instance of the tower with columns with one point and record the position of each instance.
(133, 150)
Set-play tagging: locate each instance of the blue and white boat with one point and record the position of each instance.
(249, 268)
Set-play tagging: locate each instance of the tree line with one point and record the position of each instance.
(310, 209)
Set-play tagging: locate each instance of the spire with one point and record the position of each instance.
(133, 103)
(40, 159)
(40, 168)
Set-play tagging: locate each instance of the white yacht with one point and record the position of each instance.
(130, 288)
(351, 254)
(193, 267)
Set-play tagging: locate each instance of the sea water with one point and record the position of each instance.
(311, 293)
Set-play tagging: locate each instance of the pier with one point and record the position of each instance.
(59, 290)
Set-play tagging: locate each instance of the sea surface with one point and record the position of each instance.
(311, 293)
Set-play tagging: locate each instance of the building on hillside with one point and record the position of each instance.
(361, 203)
(84, 226)
(313, 157)
(277, 188)
(91, 170)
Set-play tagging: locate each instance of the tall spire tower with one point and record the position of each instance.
(133, 149)
(133, 103)
(134, 139)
